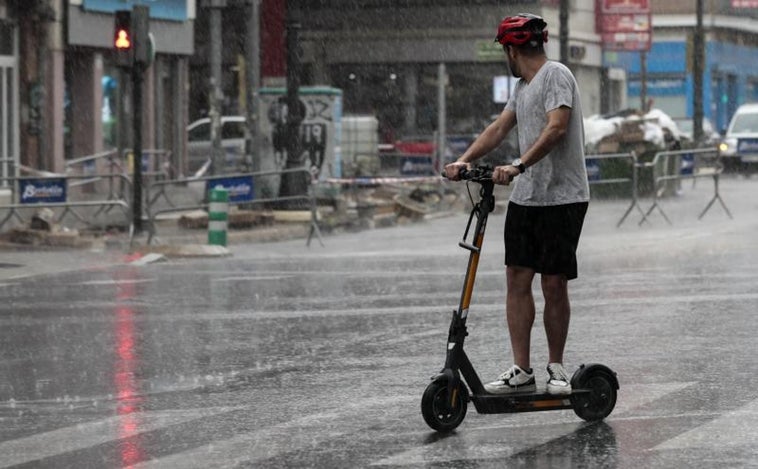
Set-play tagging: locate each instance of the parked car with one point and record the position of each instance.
(739, 147)
(232, 141)
(711, 138)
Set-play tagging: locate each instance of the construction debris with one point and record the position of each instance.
(631, 130)
(237, 219)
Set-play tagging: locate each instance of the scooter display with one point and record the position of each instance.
(445, 400)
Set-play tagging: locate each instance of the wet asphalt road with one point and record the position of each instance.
(287, 356)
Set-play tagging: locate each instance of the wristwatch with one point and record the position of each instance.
(518, 164)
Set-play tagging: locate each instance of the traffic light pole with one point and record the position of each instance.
(137, 82)
(141, 60)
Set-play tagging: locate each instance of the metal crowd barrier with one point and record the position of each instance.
(156, 165)
(52, 191)
(685, 164)
(236, 184)
(595, 174)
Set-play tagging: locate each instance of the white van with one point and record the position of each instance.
(740, 144)
(232, 141)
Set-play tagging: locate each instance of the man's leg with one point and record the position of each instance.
(520, 312)
(557, 314)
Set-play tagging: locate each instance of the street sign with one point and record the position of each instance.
(627, 41)
(240, 188)
(625, 25)
(624, 6)
(42, 190)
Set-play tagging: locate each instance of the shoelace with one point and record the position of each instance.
(508, 374)
(557, 373)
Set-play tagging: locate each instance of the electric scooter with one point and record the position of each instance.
(443, 405)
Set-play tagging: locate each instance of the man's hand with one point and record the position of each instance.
(504, 174)
(453, 169)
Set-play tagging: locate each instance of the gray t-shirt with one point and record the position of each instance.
(561, 176)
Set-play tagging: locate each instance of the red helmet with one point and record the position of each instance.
(520, 29)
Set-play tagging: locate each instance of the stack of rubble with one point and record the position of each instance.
(43, 230)
(631, 130)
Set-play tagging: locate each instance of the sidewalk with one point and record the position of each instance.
(740, 195)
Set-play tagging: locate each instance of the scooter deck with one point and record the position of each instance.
(523, 401)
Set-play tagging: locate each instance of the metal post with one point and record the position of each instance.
(698, 60)
(293, 183)
(140, 24)
(252, 75)
(137, 147)
(563, 18)
(643, 81)
(214, 84)
(441, 115)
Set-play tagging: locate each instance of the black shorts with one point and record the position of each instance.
(544, 239)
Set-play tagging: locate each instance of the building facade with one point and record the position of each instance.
(385, 56)
(730, 75)
(64, 98)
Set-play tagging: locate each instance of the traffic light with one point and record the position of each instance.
(123, 38)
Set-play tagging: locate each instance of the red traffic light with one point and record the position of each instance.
(122, 30)
(123, 39)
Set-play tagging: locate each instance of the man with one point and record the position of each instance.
(548, 202)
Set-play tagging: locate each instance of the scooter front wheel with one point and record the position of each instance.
(600, 399)
(440, 412)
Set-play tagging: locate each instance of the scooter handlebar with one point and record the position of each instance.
(476, 174)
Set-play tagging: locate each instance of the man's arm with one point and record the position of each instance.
(487, 141)
(554, 131)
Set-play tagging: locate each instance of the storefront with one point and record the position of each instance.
(8, 99)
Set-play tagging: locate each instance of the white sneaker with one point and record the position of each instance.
(513, 380)
(558, 381)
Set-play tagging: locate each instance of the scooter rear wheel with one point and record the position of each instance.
(601, 399)
(436, 408)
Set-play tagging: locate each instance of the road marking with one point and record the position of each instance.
(117, 282)
(720, 432)
(491, 442)
(251, 278)
(305, 432)
(634, 396)
(86, 435)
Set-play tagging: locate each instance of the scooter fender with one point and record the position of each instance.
(449, 376)
(586, 371)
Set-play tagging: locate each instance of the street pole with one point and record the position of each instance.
(563, 18)
(141, 26)
(252, 76)
(137, 147)
(214, 84)
(698, 60)
(441, 115)
(293, 183)
(643, 81)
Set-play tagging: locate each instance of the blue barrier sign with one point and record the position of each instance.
(42, 190)
(593, 169)
(240, 188)
(688, 164)
(413, 165)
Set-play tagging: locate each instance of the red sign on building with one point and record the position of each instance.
(624, 6)
(624, 24)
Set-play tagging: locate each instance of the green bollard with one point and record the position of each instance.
(218, 211)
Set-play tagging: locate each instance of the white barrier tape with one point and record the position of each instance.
(384, 180)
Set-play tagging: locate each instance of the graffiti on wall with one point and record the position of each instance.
(314, 129)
